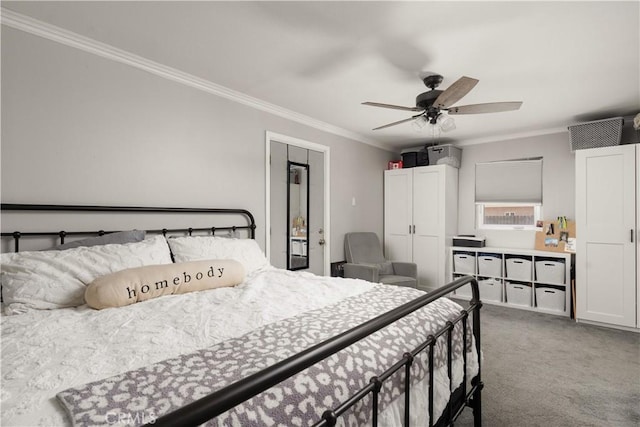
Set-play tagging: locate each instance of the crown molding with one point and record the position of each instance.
(47, 31)
(511, 136)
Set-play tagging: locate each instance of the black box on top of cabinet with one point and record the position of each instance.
(412, 159)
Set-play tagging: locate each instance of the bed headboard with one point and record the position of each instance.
(241, 219)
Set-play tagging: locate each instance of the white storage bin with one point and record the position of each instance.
(550, 271)
(550, 298)
(490, 289)
(518, 293)
(463, 291)
(445, 154)
(464, 262)
(518, 268)
(490, 265)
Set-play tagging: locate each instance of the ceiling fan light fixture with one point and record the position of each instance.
(446, 122)
(434, 130)
(419, 123)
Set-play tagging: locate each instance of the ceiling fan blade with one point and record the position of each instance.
(395, 107)
(491, 107)
(397, 123)
(455, 92)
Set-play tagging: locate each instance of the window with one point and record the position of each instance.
(509, 194)
(508, 216)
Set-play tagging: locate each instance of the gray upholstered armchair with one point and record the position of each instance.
(366, 261)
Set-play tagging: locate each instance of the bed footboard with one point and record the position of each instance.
(226, 398)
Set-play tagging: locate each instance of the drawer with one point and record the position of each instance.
(518, 268)
(463, 291)
(551, 298)
(490, 265)
(550, 271)
(490, 289)
(464, 262)
(518, 293)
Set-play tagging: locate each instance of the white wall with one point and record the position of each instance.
(558, 186)
(80, 129)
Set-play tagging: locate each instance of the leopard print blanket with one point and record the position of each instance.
(140, 396)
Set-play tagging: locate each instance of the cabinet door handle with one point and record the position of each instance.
(409, 228)
(632, 235)
(414, 229)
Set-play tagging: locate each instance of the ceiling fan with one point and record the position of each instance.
(430, 105)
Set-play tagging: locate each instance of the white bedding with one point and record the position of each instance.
(47, 351)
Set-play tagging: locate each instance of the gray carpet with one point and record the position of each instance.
(544, 370)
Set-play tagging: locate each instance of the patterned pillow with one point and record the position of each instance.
(57, 279)
(196, 248)
(143, 283)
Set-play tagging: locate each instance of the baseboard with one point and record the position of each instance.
(609, 325)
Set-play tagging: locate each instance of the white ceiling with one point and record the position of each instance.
(568, 62)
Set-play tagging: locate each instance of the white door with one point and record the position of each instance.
(428, 217)
(605, 221)
(398, 211)
(316, 216)
(278, 205)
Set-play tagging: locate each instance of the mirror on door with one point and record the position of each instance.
(298, 216)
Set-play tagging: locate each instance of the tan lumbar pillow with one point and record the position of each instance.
(142, 283)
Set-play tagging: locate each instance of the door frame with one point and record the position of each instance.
(326, 151)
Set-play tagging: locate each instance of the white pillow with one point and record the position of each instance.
(197, 248)
(57, 279)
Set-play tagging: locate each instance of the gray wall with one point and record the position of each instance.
(558, 186)
(80, 129)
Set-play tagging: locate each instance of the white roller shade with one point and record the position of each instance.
(511, 181)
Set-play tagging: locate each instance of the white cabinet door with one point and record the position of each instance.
(428, 217)
(420, 210)
(398, 199)
(605, 218)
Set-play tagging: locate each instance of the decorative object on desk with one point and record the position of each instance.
(562, 222)
(556, 236)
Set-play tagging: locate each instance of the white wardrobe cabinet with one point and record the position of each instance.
(607, 194)
(420, 218)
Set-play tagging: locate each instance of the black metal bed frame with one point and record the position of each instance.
(17, 235)
(224, 399)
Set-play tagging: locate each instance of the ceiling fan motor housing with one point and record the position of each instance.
(432, 81)
(425, 100)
